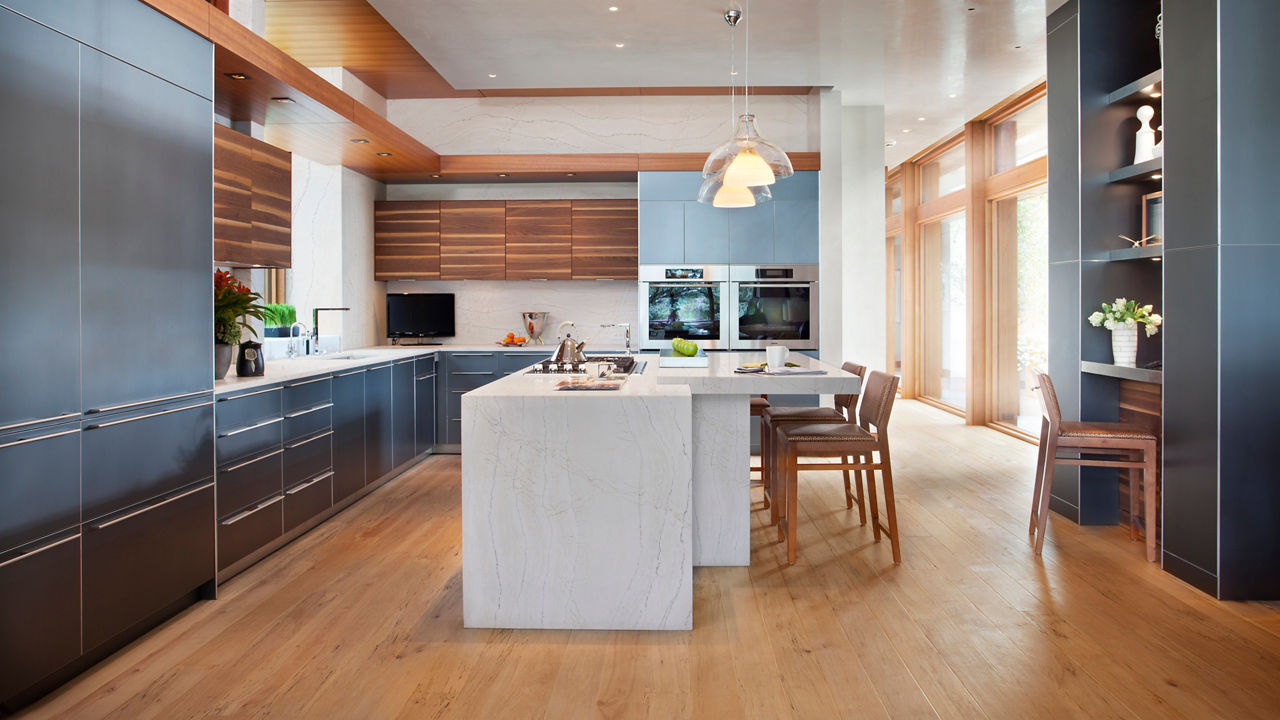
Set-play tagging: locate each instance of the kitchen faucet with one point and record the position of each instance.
(625, 326)
(315, 328)
(293, 346)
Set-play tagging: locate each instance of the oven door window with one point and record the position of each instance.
(774, 312)
(687, 310)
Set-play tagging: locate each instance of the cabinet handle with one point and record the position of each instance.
(300, 413)
(41, 549)
(471, 372)
(379, 367)
(248, 394)
(24, 423)
(97, 426)
(254, 426)
(300, 443)
(247, 463)
(24, 441)
(424, 377)
(305, 382)
(246, 513)
(406, 360)
(149, 508)
(94, 411)
(353, 372)
(458, 354)
(299, 488)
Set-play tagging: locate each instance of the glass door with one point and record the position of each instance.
(943, 317)
(1021, 225)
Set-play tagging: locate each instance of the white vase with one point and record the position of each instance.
(1124, 346)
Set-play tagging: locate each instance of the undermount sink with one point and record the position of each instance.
(345, 356)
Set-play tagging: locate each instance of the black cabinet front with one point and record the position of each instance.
(39, 222)
(249, 529)
(348, 434)
(425, 399)
(402, 391)
(146, 192)
(39, 612)
(378, 424)
(39, 484)
(141, 561)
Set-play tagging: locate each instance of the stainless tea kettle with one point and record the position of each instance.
(569, 350)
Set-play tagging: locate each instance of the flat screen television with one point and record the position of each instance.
(419, 315)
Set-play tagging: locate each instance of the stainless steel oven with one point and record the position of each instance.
(687, 301)
(773, 304)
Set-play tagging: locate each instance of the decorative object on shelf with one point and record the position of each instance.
(1160, 33)
(250, 362)
(739, 171)
(1145, 141)
(1153, 217)
(533, 324)
(233, 304)
(1122, 318)
(277, 318)
(1158, 150)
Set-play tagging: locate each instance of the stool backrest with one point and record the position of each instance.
(877, 402)
(848, 403)
(1048, 397)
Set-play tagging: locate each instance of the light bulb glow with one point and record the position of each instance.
(729, 196)
(748, 169)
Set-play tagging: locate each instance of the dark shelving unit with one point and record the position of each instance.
(1124, 373)
(1139, 91)
(1146, 252)
(1141, 172)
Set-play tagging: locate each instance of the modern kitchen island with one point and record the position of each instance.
(589, 510)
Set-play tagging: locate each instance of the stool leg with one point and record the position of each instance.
(1133, 495)
(875, 508)
(890, 510)
(779, 452)
(1149, 480)
(793, 504)
(848, 492)
(1042, 514)
(1035, 494)
(768, 464)
(862, 494)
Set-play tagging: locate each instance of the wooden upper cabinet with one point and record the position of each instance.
(406, 240)
(539, 240)
(605, 236)
(252, 200)
(473, 240)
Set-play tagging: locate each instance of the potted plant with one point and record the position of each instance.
(1122, 318)
(233, 303)
(277, 318)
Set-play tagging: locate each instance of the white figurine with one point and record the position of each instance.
(1144, 147)
(1158, 150)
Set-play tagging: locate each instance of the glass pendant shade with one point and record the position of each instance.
(747, 159)
(717, 194)
(748, 169)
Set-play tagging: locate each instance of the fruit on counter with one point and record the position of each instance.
(512, 339)
(680, 346)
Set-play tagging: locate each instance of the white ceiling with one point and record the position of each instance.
(911, 56)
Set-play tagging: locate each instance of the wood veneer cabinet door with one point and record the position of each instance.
(272, 205)
(232, 196)
(406, 240)
(539, 240)
(473, 240)
(605, 238)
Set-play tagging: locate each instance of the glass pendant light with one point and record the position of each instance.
(720, 195)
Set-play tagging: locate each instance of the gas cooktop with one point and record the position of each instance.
(624, 364)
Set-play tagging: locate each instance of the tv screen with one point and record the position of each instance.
(419, 315)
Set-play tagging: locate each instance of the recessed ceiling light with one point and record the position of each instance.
(570, 174)
(237, 76)
(613, 8)
(493, 75)
(1156, 176)
(435, 175)
(952, 96)
(383, 154)
(920, 119)
(972, 9)
(890, 143)
(734, 72)
(502, 174)
(619, 44)
(284, 100)
(1017, 47)
(906, 130)
(360, 141)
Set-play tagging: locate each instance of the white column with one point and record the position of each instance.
(830, 226)
(862, 259)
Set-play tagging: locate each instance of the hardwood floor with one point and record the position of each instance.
(363, 619)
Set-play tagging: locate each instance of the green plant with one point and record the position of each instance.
(233, 303)
(1126, 313)
(279, 315)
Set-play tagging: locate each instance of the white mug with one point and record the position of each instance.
(776, 356)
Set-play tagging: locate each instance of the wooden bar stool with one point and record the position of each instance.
(758, 406)
(857, 447)
(845, 410)
(1091, 444)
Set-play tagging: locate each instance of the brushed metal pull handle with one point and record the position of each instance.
(248, 394)
(24, 441)
(406, 360)
(379, 367)
(24, 423)
(247, 463)
(458, 354)
(305, 382)
(424, 377)
(254, 426)
(299, 488)
(246, 513)
(353, 372)
(41, 549)
(149, 508)
(471, 372)
(94, 411)
(313, 438)
(148, 416)
(300, 413)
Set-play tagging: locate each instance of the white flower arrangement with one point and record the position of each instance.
(1125, 314)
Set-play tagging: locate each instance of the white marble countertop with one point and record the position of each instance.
(719, 378)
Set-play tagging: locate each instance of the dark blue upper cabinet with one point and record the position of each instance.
(661, 231)
(751, 235)
(706, 234)
(39, 222)
(796, 235)
(668, 185)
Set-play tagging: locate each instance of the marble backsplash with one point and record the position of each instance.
(485, 311)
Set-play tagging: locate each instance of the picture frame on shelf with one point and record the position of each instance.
(1153, 218)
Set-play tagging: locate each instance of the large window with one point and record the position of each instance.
(943, 175)
(1021, 304)
(894, 255)
(943, 283)
(1023, 137)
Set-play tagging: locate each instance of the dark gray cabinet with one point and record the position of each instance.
(378, 423)
(39, 611)
(402, 409)
(424, 397)
(348, 434)
(146, 185)
(39, 218)
(39, 484)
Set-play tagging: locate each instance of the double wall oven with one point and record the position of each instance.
(729, 307)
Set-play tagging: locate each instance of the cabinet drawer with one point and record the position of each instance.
(472, 361)
(304, 394)
(453, 406)
(247, 409)
(249, 481)
(304, 459)
(425, 365)
(39, 612)
(307, 499)
(39, 485)
(308, 421)
(248, 530)
(132, 459)
(140, 561)
(510, 363)
(470, 380)
(249, 440)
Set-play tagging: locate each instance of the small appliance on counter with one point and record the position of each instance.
(249, 362)
(534, 323)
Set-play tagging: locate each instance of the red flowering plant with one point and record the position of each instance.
(233, 302)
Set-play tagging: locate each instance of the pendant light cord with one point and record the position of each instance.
(746, 65)
(733, 71)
